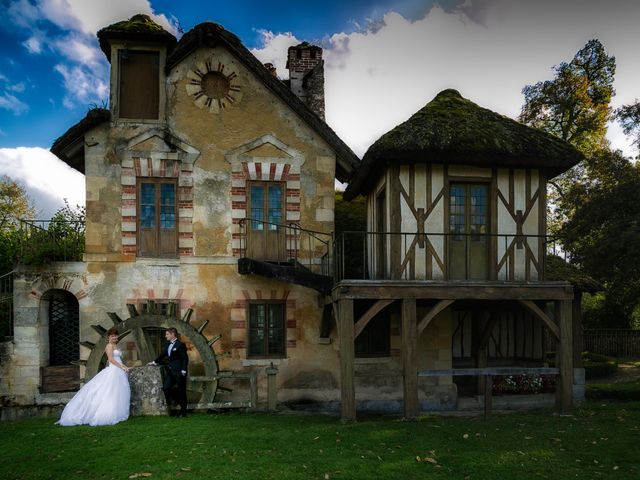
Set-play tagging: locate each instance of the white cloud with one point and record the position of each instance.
(17, 87)
(274, 49)
(377, 78)
(89, 16)
(13, 104)
(82, 85)
(48, 180)
(33, 45)
(23, 13)
(80, 49)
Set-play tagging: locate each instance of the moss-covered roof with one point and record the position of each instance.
(139, 28)
(211, 34)
(453, 130)
(557, 269)
(69, 147)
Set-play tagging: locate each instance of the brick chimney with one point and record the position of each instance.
(306, 75)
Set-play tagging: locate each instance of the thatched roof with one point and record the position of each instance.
(69, 147)
(211, 34)
(137, 28)
(453, 130)
(557, 269)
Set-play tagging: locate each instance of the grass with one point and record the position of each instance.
(599, 441)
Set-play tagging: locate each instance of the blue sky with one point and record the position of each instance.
(384, 60)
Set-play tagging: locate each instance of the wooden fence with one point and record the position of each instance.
(619, 343)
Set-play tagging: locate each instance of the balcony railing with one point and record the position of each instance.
(442, 256)
(288, 244)
(44, 241)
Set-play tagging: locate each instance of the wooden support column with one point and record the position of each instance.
(347, 356)
(409, 359)
(564, 357)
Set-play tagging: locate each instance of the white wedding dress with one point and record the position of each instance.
(104, 400)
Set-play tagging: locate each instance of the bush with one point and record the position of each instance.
(614, 391)
(596, 365)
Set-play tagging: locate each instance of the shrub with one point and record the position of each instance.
(614, 391)
(596, 365)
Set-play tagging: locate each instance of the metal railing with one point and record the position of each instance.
(286, 244)
(44, 241)
(452, 256)
(6, 306)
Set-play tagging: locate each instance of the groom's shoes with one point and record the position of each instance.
(182, 413)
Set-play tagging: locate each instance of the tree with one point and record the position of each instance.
(602, 233)
(575, 104)
(629, 118)
(350, 225)
(15, 204)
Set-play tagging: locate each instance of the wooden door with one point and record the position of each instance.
(468, 240)
(158, 219)
(266, 234)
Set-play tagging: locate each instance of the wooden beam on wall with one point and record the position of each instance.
(537, 311)
(409, 359)
(435, 310)
(364, 320)
(347, 358)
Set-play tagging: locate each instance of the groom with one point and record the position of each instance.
(175, 382)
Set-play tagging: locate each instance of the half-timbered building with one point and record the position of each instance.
(453, 269)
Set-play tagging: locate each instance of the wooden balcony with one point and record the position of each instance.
(286, 252)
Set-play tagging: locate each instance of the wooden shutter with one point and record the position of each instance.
(139, 84)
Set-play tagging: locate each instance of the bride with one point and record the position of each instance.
(104, 400)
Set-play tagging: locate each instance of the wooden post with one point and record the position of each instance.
(253, 387)
(347, 354)
(488, 395)
(564, 358)
(409, 359)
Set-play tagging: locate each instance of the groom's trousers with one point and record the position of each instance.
(175, 388)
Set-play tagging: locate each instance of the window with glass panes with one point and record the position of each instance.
(157, 217)
(266, 329)
(267, 204)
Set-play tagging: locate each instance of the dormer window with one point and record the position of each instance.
(139, 86)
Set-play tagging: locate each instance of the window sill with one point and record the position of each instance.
(263, 362)
(159, 261)
(371, 360)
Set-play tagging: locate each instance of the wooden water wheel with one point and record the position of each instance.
(136, 325)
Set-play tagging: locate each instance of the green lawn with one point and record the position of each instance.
(599, 441)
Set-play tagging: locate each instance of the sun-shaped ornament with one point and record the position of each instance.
(212, 87)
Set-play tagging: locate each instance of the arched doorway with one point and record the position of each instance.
(62, 311)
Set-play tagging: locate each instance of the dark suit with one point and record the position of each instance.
(175, 383)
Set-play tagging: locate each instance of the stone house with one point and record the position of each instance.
(210, 207)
